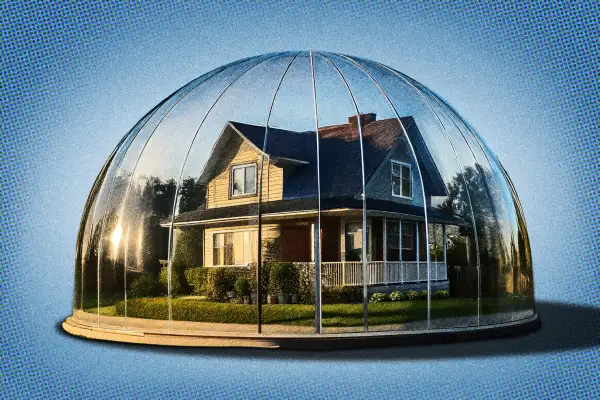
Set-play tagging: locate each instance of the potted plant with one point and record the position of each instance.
(242, 288)
(283, 298)
(294, 298)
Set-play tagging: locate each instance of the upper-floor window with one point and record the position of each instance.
(401, 179)
(243, 180)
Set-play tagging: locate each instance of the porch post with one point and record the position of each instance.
(385, 268)
(444, 245)
(400, 255)
(343, 248)
(418, 253)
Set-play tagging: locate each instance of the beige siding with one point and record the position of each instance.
(219, 187)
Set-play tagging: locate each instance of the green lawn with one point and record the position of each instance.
(334, 315)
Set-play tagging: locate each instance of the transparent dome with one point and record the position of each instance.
(301, 193)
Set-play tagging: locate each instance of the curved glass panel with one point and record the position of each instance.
(216, 232)
(86, 263)
(452, 242)
(289, 214)
(302, 193)
(395, 207)
(133, 247)
(495, 209)
(343, 250)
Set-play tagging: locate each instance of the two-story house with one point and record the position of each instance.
(396, 241)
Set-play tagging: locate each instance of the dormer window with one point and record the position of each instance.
(401, 179)
(243, 180)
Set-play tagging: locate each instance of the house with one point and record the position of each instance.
(227, 221)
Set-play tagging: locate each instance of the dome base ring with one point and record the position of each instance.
(80, 328)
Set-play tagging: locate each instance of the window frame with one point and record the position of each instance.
(401, 164)
(231, 180)
(246, 234)
(214, 247)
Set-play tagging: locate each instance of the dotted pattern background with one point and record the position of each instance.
(53, 52)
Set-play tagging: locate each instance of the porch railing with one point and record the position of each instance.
(378, 273)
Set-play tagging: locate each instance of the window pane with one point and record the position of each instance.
(393, 227)
(405, 172)
(238, 181)
(217, 247)
(408, 235)
(247, 247)
(406, 188)
(250, 181)
(393, 254)
(395, 169)
(238, 247)
(228, 249)
(396, 185)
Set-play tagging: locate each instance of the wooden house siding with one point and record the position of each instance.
(219, 188)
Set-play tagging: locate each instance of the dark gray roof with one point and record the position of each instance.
(340, 156)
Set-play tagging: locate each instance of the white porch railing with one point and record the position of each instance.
(379, 272)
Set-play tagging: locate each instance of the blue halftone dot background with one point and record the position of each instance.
(77, 76)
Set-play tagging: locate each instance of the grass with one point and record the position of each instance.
(334, 315)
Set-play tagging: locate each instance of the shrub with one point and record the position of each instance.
(187, 248)
(222, 281)
(424, 294)
(342, 294)
(176, 287)
(242, 286)
(379, 298)
(265, 277)
(196, 279)
(330, 295)
(306, 285)
(412, 295)
(283, 278)
(396, 296)
(351, 294)
(441, 294)
(144, 286)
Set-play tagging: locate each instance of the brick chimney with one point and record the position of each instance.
(364, 119)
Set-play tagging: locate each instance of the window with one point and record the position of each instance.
(401, 179)
(393, 240)
(243, 180)
(223, 248)
(408, 236)
(233, 248)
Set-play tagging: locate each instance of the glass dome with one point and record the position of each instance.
(300, 194)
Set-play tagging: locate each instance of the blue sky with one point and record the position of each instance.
(77, 76)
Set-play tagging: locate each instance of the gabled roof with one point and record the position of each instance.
(340, 155)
